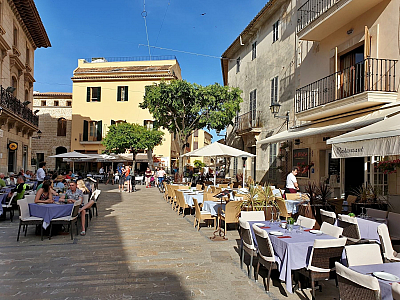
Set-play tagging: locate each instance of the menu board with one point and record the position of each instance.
(301, 159)
(334, 167)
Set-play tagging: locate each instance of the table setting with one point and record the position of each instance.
(50, 211)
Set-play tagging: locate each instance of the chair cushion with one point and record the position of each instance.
(30, 219)
(205, 212)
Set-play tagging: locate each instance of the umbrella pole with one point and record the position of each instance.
(244, 173)
(73, 167)
(215, 172)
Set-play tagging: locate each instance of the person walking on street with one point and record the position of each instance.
(128, 178)
(291, 182)
(122, 179)
(147, 175)
(160, 175)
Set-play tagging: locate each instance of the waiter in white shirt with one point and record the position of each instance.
(41, 174)
(291, 182)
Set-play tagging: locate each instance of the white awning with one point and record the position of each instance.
(295, 133)
(379, 139)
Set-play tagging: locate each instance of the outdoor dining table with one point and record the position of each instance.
(292, 206)
(386, 287)
(3, 198)
(369, 228)
(6, 189)
(49, 211)
(212, 207)
(292, 250)
(193, 194)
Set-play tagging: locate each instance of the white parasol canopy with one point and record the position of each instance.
(219, 150)
(72, 156)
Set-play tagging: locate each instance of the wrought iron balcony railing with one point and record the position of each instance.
(311, 10)
(248, 121)
(10, 102)
(372, 74)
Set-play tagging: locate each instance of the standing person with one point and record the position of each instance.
(110, 177)
(147, 175)
(160, 175)
(128, 178)
(121, 179)
(116, 177)
(291, 182)
(41, 172)
(133, 182)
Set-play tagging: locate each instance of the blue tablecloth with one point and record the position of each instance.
(369, 229)
(49, 211)
(386, 288)
(6, 189)
(212, 207)
(290, 253)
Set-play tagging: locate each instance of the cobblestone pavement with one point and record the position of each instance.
(137, 248)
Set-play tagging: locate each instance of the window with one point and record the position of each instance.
(93, 94)
(274, 90)
(253, 105)
(26, 95)
(92, 131)
(14, 83)
(275, 31)
(238, 65)
(28, 58)
(195, 145)
(122, 94)
(56, 103)
(254, 50)
(69, 103)
(196, 133)
(39, 159)
(376, 177)
(15, 36)
(43, 103)
(62, 127)
(272, 161)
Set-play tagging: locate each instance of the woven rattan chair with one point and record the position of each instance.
(328, 216)
(252, 216)
(200, 216)
(396, 291)
(353, 285)
(265, 254)
(223, 185)
(323, 256)
(209, 197)
(181, 204)
(350, 200)
(199, 187)
(365, 254)
(247, 245)
(394, 226)
(236, 185)
(165, 191)
(282, 207)
(331, 230)
(388, 252)
(350, 229)
(68, 220)
(25, 218)
(337, 203)
(231, 213)
(292, 196)
(377, 213)
(305, 222)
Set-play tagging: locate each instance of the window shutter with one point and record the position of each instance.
(112, 122)
(126, 93)
(85, 131)
(99, 94)
(119, 93)
(99, 130)
(88, 94)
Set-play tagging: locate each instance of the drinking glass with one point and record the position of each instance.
(278, 217)
(362, 215)
(300, 229)
(272, 217)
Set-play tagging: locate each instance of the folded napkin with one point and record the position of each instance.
(307, 229)
(265, 227)
(284, 237)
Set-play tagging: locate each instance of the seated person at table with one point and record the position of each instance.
(28, 174)
(2, 181)
(20, 189)
(44, 194)
(81, 185)
(11, 180)
(58, 183)
(74, 194)
(69, 175)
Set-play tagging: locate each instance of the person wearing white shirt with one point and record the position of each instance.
(291, 182)
(41, 174)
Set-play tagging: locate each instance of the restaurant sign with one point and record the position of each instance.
(301, 160)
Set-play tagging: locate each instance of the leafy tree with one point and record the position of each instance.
(199, 164)
(131, 136)
(182, 107)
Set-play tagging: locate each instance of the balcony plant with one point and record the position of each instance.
(388, 166)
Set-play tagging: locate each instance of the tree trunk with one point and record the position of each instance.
(182, 147)
(150, 158)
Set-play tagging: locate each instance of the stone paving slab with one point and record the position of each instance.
(137, 248)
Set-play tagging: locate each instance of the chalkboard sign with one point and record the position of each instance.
(301, 159)
(334, 167)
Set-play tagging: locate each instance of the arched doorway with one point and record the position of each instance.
(60, 164)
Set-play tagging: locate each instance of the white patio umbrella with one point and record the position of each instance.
(219, 150)
(71, 156)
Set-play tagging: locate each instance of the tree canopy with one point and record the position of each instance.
(182, 107)
(124, 136)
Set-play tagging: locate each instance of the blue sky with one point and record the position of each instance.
(105, 28)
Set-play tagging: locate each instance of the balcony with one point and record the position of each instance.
(14, 107)
(317, 19)
(369, 83)
(249, 122)
(89, 140)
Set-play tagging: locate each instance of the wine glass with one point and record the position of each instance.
(362, 215)
(272, 216)
(300, 230)
(278, 217)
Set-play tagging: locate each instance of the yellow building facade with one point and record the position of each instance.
(21, 33)
(108, 91)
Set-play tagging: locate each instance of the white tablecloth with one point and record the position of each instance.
(189, 198)
(292, 206)
(212, 207)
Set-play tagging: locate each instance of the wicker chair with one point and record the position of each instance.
(223, 185)
(377, 213)
(328, 216)
(199, 187)
(389, 254)
(236, 185)
(292, 196)
(337, 203)
(350, 229)
(247, 245)
(350, 200)
(252, 216)
(165, 191)
(282, 207)
(331, 230)
(25, 219)
(396, 291)
(181, 204)
(231, 213)
(353, 285)
(361, 255)
(68, 220)
(265, 254)
(306, 222)
(323, 256)
(201, 215)
(209, 197)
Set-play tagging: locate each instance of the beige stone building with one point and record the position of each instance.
(108, 91)
(55, 122)
(21, 33)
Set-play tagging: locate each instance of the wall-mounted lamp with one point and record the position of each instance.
(297, 142)
(10, 89)
(275, 107)
(350, 31)
(1, 110)
(39, 134)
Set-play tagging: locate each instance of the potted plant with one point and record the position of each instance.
(368, 196)
(388, 166)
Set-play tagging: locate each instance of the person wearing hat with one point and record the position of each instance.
(58, 182)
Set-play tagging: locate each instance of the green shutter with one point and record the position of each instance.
(85, 130)
(126, 93)
(99, 93)
(119, 93)
(88, 94)
(99, 126)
